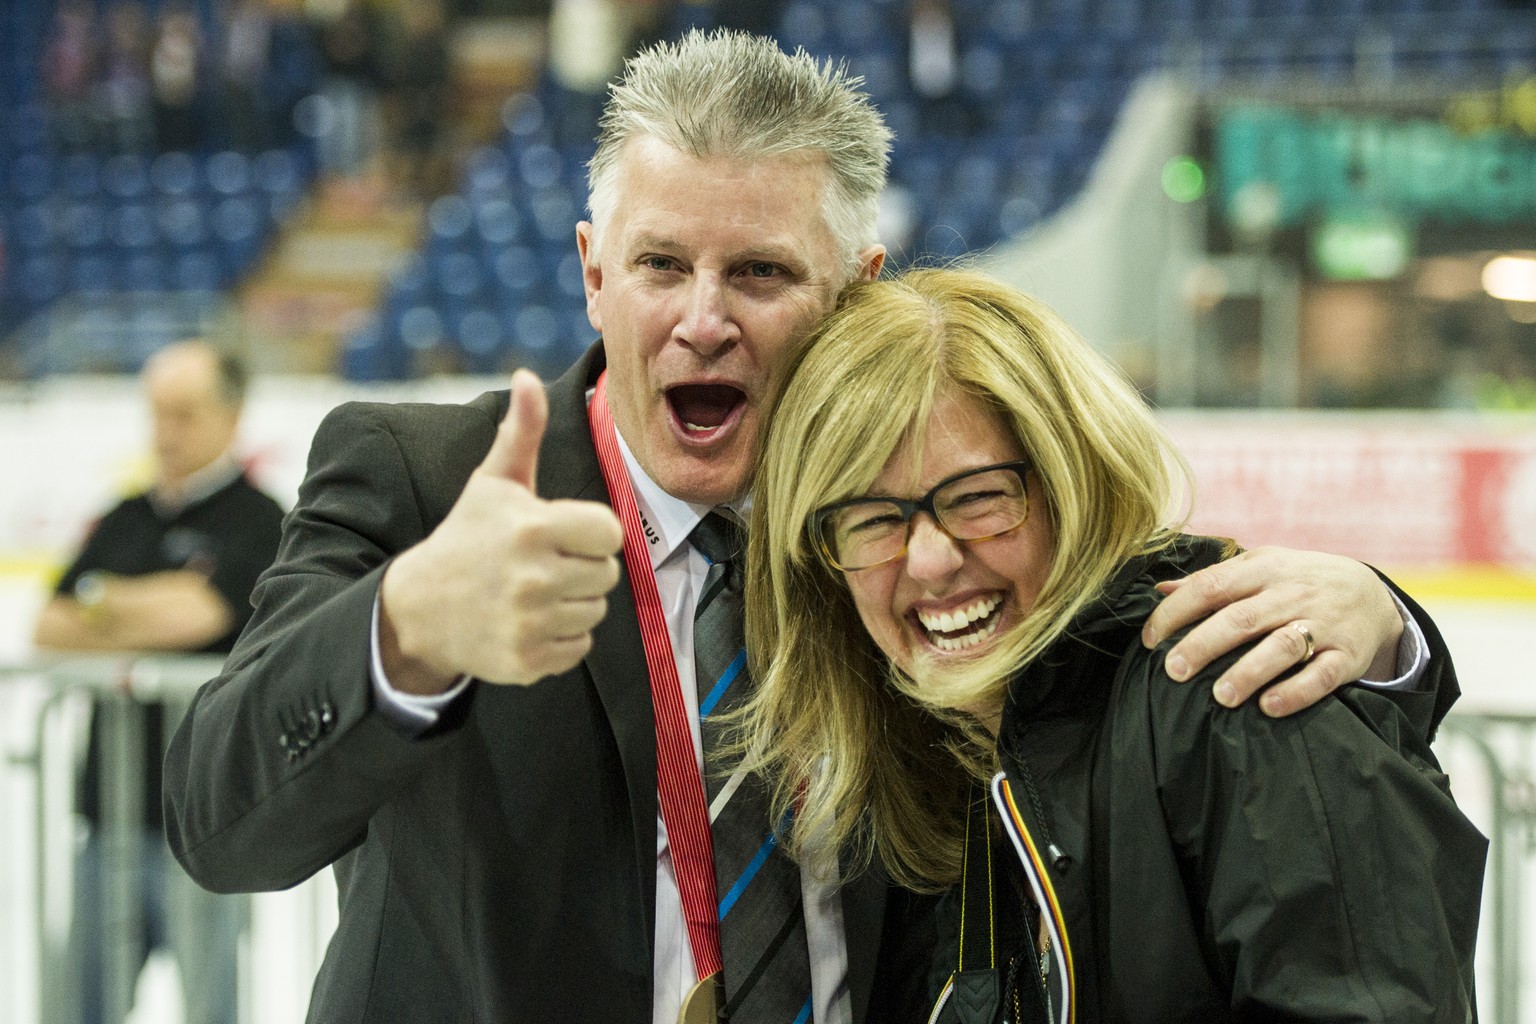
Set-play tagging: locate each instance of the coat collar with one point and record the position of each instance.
(568, 467)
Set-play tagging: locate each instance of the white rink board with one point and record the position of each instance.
(67, 450)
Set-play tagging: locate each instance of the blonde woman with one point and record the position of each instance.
(961, 517)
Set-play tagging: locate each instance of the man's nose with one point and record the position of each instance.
(932, 554)
(707, 322)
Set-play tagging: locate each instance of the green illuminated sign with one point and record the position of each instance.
(1330, 162)
(1361, 249)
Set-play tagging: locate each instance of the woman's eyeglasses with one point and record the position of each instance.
(975, 505)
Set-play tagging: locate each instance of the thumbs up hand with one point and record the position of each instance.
(509, 586)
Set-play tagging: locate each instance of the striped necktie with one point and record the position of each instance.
(766, 966)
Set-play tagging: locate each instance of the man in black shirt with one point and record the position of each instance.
(171, 569)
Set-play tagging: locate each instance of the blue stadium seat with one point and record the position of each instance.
(487, 173)
(144, 272)
(196, 269)
(182, 223)
(539, 167)
(93, 274)
(34, 227)
(804, 25)
(41, 279)
(569, 282)
(229, 173)
(518, 270)
(449, 219)
(983, 74)
(497, 222)
(884, 73)
(125, 177)
(478, 334)
(174, 174)
(134, 227)
(555, 213)
(279, 172)
(80, 176)
(536, 330)
(373, 353)
(457, 274)
(1010, 22)
(421, 328)
(522, 115)
(857, 26)
(83, 225)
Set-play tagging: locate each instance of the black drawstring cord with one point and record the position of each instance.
(1059, 859)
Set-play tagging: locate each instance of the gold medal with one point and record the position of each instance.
(702, 1003)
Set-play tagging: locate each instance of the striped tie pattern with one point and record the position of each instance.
(762, 926)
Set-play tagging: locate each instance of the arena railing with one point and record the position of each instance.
(59, 694)
(1492, 758)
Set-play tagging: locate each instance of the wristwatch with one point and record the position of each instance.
(90, 591)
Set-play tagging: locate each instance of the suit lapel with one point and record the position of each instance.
(568, 468)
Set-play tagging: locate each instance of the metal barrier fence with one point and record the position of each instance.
(56, 697)
(1492, 762)
(1491, 758)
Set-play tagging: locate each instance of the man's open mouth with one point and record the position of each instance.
(702, 410)
(965, 627)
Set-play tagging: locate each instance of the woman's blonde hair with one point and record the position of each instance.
(875, 763)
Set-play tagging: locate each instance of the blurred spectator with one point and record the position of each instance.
(349, 121)
(176, 77)
(588, 40)
(933, 68)
(168, 570)
(422, 90)
(67, 70)
(932, 62)
(244, 67)
(122, 103)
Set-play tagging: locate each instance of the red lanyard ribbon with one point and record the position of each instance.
(679, 786)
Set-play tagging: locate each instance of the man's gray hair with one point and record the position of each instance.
(735, 95)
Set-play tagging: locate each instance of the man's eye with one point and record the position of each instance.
(659, 263)
(762, 269)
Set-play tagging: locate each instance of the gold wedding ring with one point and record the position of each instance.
(1306, 634)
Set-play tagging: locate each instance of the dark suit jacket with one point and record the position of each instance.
(501, 868)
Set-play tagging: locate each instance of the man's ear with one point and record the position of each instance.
(591, 273)
(870, 262)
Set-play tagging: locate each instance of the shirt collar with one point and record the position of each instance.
(214, 477)
(666, 520)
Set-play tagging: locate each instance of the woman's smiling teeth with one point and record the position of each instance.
(963, 627)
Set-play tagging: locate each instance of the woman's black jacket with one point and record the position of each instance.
(1206, 864)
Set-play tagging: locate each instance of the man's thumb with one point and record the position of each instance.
(515, 452)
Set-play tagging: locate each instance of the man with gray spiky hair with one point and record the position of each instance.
(444, 693)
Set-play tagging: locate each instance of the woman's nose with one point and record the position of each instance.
(931, 553)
